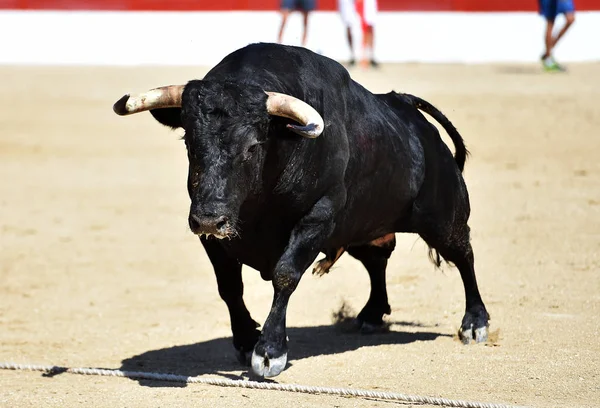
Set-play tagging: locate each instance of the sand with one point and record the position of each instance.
(99, 268)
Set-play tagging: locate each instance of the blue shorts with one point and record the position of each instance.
(302, 5)
(552, 8)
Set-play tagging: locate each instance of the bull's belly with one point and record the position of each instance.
(261, 252)
(362, 220)
(371, 220)
(379, 200)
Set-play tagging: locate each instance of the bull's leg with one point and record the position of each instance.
(270, 354)
(456, 248)
(375, 258)
(231, 288)
(322, 267)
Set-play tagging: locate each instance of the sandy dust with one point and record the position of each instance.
(99, 268)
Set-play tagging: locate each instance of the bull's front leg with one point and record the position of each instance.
(270, 353)
(228, 272)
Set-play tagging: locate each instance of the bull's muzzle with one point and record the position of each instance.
(217, 226)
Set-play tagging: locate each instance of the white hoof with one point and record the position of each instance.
(268, 367)
(480, 335)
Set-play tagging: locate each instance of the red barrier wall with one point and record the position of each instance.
(324, 5)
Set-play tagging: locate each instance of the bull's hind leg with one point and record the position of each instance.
(374, 257)
(228, 272)
(453, 244)
(323, 265)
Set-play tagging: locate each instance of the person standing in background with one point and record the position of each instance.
(367, 11)
(304, 6)
(347, 11)
(550, 9)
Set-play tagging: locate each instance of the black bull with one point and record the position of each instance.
(289, 157)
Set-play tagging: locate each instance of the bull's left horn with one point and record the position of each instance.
(279, 104)
(163, 97)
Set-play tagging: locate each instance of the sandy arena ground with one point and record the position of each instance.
(99, 268)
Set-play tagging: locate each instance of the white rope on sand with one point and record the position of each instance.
(415, 399)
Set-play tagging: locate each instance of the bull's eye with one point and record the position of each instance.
(250, 151)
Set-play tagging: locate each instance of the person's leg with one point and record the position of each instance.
(549, 62)
(367, 44)
(549, 9)
(284, 16)
(370, 45)
(305, 27)
(286, 8)
(364, 58)
(567, 8)
(548, 40)
(360, 10)
(306, 7)
(346, 9)
(370, 13)
(351, 45)
(570, 19)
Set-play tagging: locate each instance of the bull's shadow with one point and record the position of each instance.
(218, 357)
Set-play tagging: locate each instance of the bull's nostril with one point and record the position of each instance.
(194, 222)
(221, 222)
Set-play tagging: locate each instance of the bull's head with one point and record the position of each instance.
(226, 128)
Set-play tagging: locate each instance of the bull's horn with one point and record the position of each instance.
(163, 97)
(279, 104)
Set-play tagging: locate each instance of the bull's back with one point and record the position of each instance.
(289, 69)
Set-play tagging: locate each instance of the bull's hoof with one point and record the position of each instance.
(265, 366)
(370, 328)
(474, 326)
(322, 267)
(479, 334)
(370, 319)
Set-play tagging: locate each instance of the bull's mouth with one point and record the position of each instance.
(215, 235)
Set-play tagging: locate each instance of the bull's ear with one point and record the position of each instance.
(170, 117)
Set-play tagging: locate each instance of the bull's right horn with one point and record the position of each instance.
(163, 97)
(280, 104)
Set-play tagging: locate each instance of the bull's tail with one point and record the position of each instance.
(461, 152)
